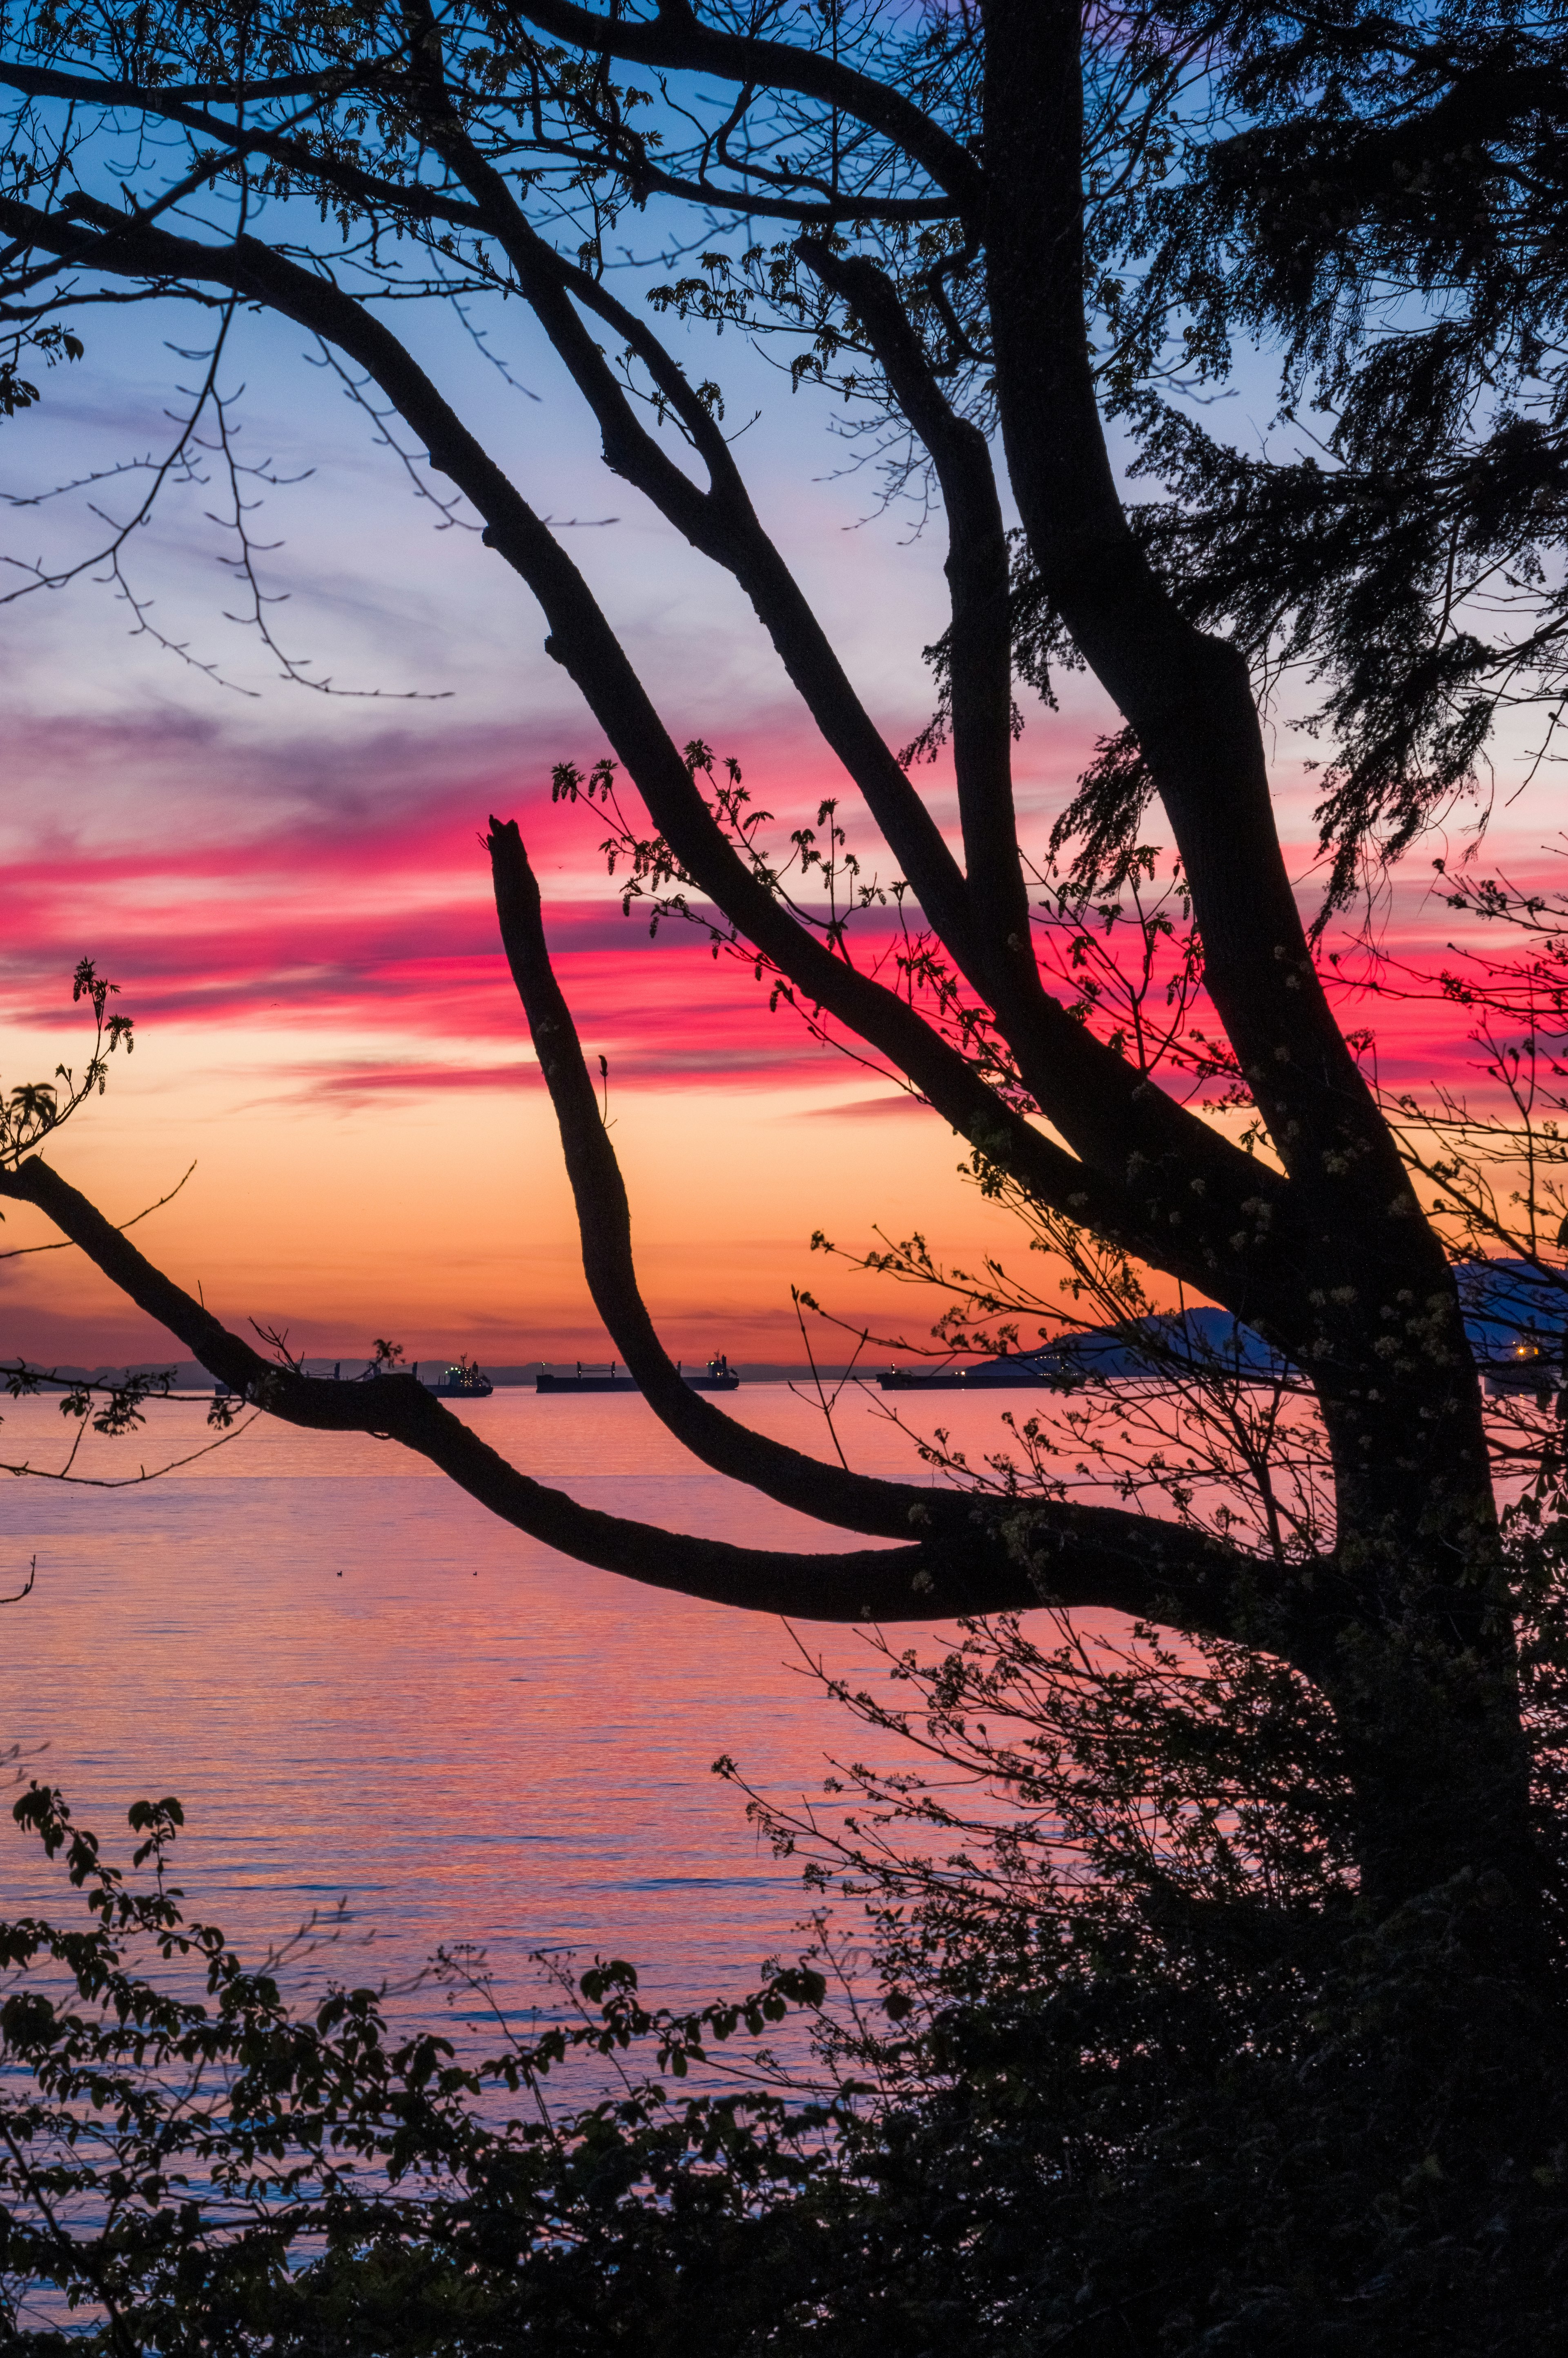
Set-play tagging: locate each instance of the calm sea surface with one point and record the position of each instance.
(363, 1686)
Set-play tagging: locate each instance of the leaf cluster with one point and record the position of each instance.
(33, 1109)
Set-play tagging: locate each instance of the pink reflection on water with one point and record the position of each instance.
(362, 1684)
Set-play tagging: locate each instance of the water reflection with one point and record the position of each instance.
(362, 1684)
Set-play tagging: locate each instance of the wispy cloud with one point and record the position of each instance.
(348, 892)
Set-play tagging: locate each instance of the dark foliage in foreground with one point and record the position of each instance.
(1129, 2067)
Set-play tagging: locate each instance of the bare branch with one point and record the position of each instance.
(27, 1587)
(978, 578)
(675, 39)
(20, 1252)
(583, 642)
(604, 1223)
(722, 523)
(1029, 1554)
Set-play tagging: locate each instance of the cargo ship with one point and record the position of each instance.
(464, 1379)
(1007, 1371)
(585, 1379)
(717, 1376)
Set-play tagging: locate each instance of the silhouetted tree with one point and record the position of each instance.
(993, 227)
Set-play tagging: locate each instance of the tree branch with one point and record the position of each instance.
(977, 569)
(723, 526)
(604, 1223)
(677, 41)
(721, 523)
(1087, 1557)
(1102, 1106)
(181, 103)
(890, 211)
(1111, 1116)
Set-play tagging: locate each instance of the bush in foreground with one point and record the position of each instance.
(1127, 2065)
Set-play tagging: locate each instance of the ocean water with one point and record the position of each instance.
(364, 1688)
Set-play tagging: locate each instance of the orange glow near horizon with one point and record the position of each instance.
(374, 1152)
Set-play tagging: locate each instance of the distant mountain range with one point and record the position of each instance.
(1502, 1300)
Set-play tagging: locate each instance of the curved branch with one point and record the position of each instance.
(675, 39)
(1137, 1189)
(21, 1252)
(27, 1587)
(1111, 1116)
(1102, 1106)
(1187, 696)
(237, 140)
(1069, 1550)
(1088, 1557)
(724, 526)
(855, 210)
(181, 103)
(856, 1501)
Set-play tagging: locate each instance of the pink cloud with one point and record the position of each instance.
(316, 909)
(341, 884)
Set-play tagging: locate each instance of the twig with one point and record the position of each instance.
(27, 1590)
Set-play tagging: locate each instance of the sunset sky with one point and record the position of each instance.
(291, 892)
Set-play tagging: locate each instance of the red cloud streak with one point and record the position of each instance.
(322, 911)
